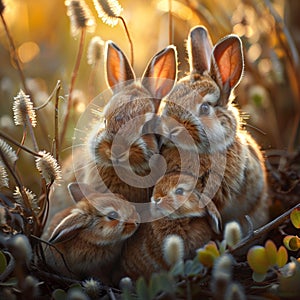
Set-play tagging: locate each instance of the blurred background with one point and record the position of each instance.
(268, 94)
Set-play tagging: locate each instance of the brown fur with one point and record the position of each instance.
(183, 215)
(216, 135)
(88, 240)
(122, 142)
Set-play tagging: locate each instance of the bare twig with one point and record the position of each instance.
(72, 84)
(170, 23)
(129, 39)
(18, 183)
(31, 132)
(57, 87)
(260, 232)
(6, 137)
(22, 142)
(56, 138)
(14, 55)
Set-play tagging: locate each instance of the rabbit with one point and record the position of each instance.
(178, 209)
(198, 116)
(124, 146)
(86, 238)
(132, 105)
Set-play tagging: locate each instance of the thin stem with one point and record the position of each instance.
(58, 86)
(129, 39)
(56, 139)
(31, 132)
(170, 23)
(18, 183)
(22, 141)
(73, 79)
(260, 232)
(6, 137)
(14, 55)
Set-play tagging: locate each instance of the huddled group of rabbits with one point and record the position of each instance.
(213, 171)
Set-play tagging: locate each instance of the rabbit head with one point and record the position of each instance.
(100, 219)
(176, 195)
(200, 102)
(132, 108)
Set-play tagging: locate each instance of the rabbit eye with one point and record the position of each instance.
(204, 108)
(113, 215)
(179, 191)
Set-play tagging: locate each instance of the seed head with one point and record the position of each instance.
(92, 288)
(221, 275)
(80, 16)
(31, 198)
(8, 152)
(23, 110)
(3, 176)
(94, 52)
(48, 167)
(232, 233)
(125, 283)
(108, 11)
(2, 216)
(173, 249)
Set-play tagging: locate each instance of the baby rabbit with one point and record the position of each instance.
(201, 107)
(87, 237)
(178, 209)
(123, 149)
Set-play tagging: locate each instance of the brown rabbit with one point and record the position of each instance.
(200, 107)
(121, 143)
(123, 149)
(178, 209)
(87, 237)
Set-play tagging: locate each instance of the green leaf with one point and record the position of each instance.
(295, 217)
(196, 267)
(258, 260)
(167, 283)
(206, 258)
(271, 252)
(59, 294)
(3, 262)
(126, 295)
(291, 242)
(188, 267)
(282, 257)
(142, 289)
(155, 285)
(178, 269)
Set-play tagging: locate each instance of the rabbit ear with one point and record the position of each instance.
(79, 190)
(69, 226)
(118, 69)
(199, 50)
(214, 217)
(161, 73)
(228, 63)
